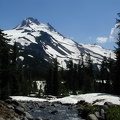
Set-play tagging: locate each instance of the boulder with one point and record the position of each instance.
(102, 113)
(19, 110)
(104, 107)
(28, 116)
(54, 111)
(38, 118)
(109, 104)
(97, 114)
(91, 117)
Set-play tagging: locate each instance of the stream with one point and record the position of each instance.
(52, 111)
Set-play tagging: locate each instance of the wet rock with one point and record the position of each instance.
(15, 102)
(38, 118)
(91, 117)
(10, 106)
(54, 111)
(23, 118)
(19, 110)
(41, 105)
(28, 116)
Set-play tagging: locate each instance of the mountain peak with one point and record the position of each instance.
(32, 20)
(27, 22)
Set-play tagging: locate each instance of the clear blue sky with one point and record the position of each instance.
(82, 20)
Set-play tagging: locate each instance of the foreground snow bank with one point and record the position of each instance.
(96, 98)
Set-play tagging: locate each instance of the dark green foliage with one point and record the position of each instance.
(113, 113)
(116, 82)
(34, 88)
(12, 80)
(88, 109)
(104, 76)
(4, 67)
(70, 76)
(15, 87)
(52, 79)
(55, 78)
(88, 81)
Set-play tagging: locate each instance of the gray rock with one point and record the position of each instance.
(54, 111)
(102, 113)
(16, 118)
(109, 104)
(19, 110)
(10, 106)
(15, 102)
(104, 107)
(91, 117)
(23, 118)
(28, 116)
(39, 118)
(97, 114)
(2, 118)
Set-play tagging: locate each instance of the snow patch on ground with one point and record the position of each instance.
(100, 98)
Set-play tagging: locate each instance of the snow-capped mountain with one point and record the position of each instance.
(41, 43)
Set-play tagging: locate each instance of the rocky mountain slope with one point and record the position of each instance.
(39, 43)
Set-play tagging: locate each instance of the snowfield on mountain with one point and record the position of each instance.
(45, 41)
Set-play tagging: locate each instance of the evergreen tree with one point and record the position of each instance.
(55, 78)
(88, 82)
(5, 76)
(49, 80)
(111, 67)
(70, 78)
(81, 68)
(105, 76)
(15, 88)
(52, 79)
(116, 82)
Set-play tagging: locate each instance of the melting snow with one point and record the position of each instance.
(73, 99)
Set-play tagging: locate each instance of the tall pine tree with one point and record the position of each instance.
(116, 82)
(5, 76)
(15, 87)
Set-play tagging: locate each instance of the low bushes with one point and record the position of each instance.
(113, 113)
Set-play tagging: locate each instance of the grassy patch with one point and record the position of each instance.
(113, 113)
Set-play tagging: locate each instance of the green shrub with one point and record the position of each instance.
(88, 109)
(113, 113)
